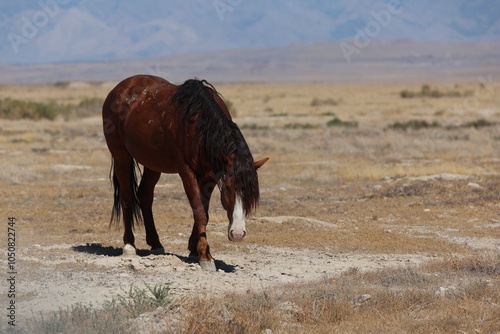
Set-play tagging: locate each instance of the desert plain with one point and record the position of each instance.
(379, 212)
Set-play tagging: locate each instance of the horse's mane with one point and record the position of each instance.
(216, 136)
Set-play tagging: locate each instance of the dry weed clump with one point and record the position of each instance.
(113, 317)
(252, 313)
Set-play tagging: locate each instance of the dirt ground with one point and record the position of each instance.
(369, 190)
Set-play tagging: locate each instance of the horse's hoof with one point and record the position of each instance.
(208, 265)
(129, 250)
(158, 251)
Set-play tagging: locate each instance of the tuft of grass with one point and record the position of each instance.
(480, 265)
(406, 94)
(340, 123)
(139, 300)
(402, 277)
(282, 114)
(414, 124)
(316, 102)
(81, 319)
(480, 123)
(305, 126)
(61, 84)
(418, 124)
(112, 317)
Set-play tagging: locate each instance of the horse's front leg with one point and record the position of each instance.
(196, 191)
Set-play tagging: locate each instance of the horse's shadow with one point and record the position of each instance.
(98, 249)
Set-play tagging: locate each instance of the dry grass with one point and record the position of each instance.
(431, 190)
(446, 296)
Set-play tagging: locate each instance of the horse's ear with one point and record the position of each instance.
(258, 164)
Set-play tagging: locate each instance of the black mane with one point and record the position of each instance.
(216, 137)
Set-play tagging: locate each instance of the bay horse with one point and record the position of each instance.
(184, 129)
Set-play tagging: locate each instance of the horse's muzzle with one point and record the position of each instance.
(237, 234)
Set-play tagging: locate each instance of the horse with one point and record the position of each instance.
(185, 129)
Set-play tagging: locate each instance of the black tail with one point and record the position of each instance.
(116, 212)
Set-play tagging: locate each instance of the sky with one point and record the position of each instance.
(58, 31)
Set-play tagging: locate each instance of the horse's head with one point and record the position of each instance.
(239, 194)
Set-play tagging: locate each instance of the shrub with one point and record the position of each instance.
(406, 94)
(323, 102)
(480, 123)
(16, 109)
(414, 124)
(61, 84)
(338, 122)
(299, 126)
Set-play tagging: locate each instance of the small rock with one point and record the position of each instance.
(180, 269)
(441, 291)
(362, 299)
(446, 291)
(474, 185)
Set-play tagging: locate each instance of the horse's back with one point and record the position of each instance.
(136, 115)
(132, 88)
(141, 80)
(132, 93)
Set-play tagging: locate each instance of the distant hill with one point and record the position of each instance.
(378, 61)
(55, 31)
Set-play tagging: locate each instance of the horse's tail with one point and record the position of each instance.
(116, 212)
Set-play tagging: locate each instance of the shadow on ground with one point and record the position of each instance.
(98, 249)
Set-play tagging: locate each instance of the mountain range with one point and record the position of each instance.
(62, 31)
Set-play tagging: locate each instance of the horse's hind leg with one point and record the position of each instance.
(146, 195)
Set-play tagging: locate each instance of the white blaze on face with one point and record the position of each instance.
(236, 230)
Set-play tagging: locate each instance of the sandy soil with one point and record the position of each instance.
(64, 274)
